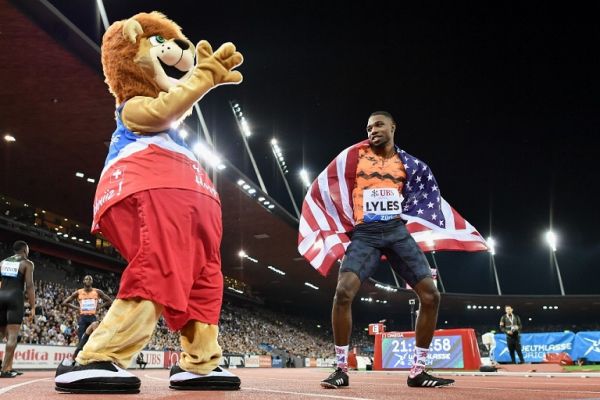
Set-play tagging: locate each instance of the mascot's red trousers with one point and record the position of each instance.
(171, 240)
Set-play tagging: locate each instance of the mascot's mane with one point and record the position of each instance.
(125, 77)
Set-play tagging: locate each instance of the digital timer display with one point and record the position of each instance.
(444, 352)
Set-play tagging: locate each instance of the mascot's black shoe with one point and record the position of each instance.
(96, 377)
(217, 379)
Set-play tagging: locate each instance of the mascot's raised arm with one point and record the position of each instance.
(158, 74)
(157, 206)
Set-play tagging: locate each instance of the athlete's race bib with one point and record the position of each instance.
(382, 204)
(10, 268)
(88, 305)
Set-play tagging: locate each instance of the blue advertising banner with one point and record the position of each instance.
(536, 345)
(277, 362)
(444, 352)
(587, 344)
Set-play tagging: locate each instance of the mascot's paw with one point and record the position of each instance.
(226, 56)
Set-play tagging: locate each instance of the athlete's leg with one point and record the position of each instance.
(12, 333)
(429, 300)
(341, 314)
(85, 338)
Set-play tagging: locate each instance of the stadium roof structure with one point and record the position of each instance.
(57, 107)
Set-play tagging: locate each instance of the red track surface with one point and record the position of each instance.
(303, 383)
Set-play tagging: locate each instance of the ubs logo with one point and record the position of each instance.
(381, 192)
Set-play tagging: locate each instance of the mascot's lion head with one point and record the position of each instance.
(144, 55)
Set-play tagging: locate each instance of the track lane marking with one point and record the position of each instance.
(11, 387)
(306, 394)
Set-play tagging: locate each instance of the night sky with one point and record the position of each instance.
(501, 102)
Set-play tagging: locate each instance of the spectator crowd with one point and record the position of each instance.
(245, 328)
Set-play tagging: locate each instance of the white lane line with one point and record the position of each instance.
(478, 381)
(285, 392)
(156, 379)
(529, 390)
(305, 394)
(11, 387)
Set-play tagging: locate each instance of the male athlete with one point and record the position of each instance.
(88, 307)
(360, 208)
(16, 272)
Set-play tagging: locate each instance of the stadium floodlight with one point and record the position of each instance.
(278, 154)
(9, 138)
(242, 254)
(245, 132)
(276, 270)
(386, 287)
(245, 127)
(491, 243)
(207, 154)
(304, 177)
(551, 239)
(79, 174)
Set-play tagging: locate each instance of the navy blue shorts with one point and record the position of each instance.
(12, 307)
(391, 238)
(83, 323)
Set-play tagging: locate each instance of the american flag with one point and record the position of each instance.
(327, 214)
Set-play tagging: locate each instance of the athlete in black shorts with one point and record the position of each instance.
(15, 272)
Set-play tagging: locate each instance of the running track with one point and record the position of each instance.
(303, 383)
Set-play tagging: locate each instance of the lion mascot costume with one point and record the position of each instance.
(157, 206)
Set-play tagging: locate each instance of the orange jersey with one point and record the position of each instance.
(88, 301)
(377, 194)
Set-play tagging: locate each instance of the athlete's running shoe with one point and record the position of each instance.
(338, 378)
(426, 380)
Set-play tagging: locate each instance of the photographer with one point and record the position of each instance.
(511, 325)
